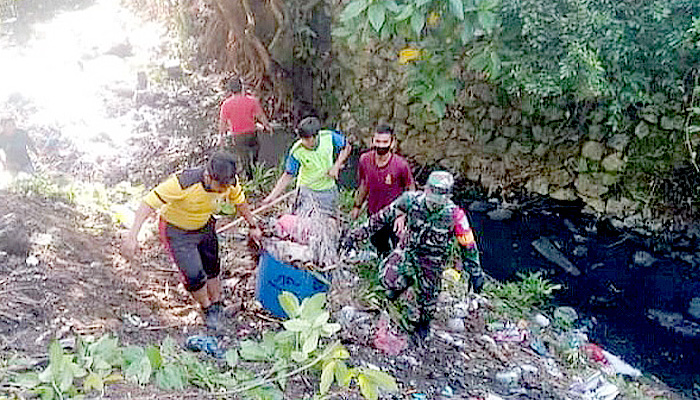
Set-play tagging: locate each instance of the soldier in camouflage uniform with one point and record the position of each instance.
(432, 223)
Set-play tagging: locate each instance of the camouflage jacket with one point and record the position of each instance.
(429, 233)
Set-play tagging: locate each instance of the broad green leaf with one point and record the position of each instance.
(232, 358)
(299, 356)
(376, 13)
(391, 6)
(487, 19)
(495, 65)
(481, 61)
(153, 354)
(168, 347)
(289, 303)
(382, 379)
(421, 3)
(439, 107)
(693, 129)
(340, 352)
(252, 351)
(296, 325)
(417, 22)
(131, 354)
(406, 12)
(139, 371)
(488, 5)
(93, 381)
(457, 8)
(368, 387)
(342, 374)
(467, 33)
(353, 9)
(695, 110)
(113, 378)
(170, 377)
(329, 330)
(55, 353)
(321, 319)
(311, 342)
(312, 306)
(327, 376)
(27, 380)
(341, 32)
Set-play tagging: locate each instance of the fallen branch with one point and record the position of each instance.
(256, 211)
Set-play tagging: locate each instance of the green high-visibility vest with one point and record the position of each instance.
(314, 164)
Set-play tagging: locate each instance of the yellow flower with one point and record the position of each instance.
(433, 19)
(407, 55)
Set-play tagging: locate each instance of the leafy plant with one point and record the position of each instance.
(56, 381)
(519, 298)
(308, 321)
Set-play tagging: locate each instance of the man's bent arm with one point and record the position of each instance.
(144, 211)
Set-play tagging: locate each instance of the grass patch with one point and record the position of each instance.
(518, 299)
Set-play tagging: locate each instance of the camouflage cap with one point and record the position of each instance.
(440, 182)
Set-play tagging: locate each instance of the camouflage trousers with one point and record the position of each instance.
(403, 269)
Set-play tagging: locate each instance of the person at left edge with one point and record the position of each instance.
(186, 202)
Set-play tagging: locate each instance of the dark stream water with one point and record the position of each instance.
(612, 290)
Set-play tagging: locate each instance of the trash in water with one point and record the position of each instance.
(621, 367)
(595, 353)
(205, 343)
(596, 387)
(447, 392)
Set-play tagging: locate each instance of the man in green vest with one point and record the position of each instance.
(315, 160)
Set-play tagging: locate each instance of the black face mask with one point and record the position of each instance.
(382, 150)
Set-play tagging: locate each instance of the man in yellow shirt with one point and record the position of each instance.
(186, 202)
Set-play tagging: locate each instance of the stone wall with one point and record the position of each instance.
(501, 144)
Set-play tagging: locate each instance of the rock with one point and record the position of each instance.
(595, 132)
(481, 206)
(510, 131)
(541, 150)
(498, 146)
(642, 130)
(668, 123)
(613, 162)
(559, 177)
(619, 142)
(517, 149)
(675, 322)
(538, 134)
(589, 185)
(593, 150)
(456, 325)
(538, 185)
(643, 259)
(564, 194)
(694, 307)
(461, 310)
(530, 369)
(500, 214)
(541, 320)
(496, 113)
(545, 247)
(400, 112)
(580, 251)
(14, 238)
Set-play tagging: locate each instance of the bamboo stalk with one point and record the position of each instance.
(256, 211)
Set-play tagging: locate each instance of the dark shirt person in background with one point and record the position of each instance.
(14, 144)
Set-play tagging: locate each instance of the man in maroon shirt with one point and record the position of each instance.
(238, 117)
(383, 177)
